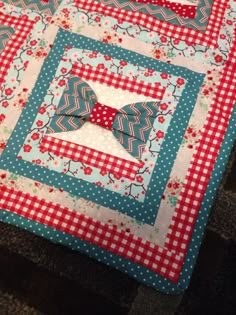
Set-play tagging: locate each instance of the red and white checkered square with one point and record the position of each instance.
(22, 27)
(118, 81)
(104, 161)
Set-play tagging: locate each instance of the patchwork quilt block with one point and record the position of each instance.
(116, 124)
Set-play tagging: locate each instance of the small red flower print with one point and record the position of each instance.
(98, 183)
(163, 106)
(42, 110)
(26, 64)
(3, 145)
(3, 176)
(222, 36)
(176, 42)
(29, 52)
(63, 70)
(38, 161)
(180, 81)
(206, 92)
(8, 91)
(176, 185)
(100, 66)
(33, 42)
(65, 10)
(39, 123)
(103, 172)
(189, 130)
(27, 148)
(139, 179)
(141, 164)
(218, 58)
(123, 63)
(163, 39)
(160, 134)
(2, 118)
(107, 57)
(5, 104)
(87, 170)
(164, 76)
(62, 83)
(229, 22)
(39, 54)
(35, 136)
(157, 53)
(97, 19)
(161, 119)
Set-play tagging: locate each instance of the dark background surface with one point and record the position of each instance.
(38, 277)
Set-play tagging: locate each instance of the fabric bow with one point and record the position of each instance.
(130, 125)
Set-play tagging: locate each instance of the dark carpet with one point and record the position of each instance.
(38, 277)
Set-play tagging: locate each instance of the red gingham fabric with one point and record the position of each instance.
(204, 159)
(209, 38)
(22, 27)
(108, 237)
(104, 161)
(87, 72)
(185, 10)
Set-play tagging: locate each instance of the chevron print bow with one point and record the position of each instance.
(130, 125)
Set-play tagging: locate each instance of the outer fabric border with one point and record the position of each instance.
(208, 38)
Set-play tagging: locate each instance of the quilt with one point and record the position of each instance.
(117, 118)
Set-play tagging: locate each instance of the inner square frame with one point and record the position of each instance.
(207, 38)
(95, 193)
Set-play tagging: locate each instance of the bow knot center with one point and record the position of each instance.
(103, 115)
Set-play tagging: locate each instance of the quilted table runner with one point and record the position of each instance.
(117, 118)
